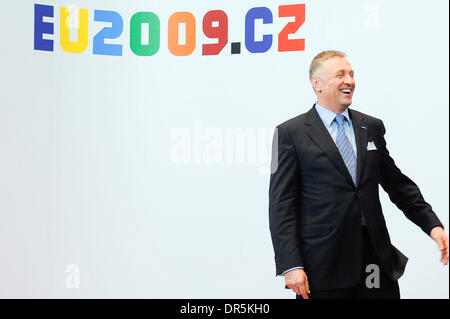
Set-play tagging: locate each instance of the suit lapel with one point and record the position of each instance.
(360, 129)
(319, 134)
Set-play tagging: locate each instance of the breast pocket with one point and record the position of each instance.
(372, 148)
(373, 153)
(372, 166)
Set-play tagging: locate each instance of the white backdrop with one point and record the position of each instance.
(145, 177)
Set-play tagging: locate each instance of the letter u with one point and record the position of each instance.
(82, 35)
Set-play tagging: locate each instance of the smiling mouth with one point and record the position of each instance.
(346, 91)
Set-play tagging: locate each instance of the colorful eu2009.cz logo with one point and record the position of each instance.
(214, 26)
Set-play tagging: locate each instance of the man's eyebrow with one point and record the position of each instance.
(343, 71)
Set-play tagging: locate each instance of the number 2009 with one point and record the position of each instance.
(214, 26)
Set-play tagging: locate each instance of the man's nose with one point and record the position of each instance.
(349, 79)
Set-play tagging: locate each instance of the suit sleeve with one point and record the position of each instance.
(283, 203)
(404, 193)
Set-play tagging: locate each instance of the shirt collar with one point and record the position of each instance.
(328, 116)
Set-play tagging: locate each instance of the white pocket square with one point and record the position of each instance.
(371, 146)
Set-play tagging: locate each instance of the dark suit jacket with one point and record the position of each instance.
(315, 208)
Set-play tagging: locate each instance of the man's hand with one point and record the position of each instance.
(298, 281)
(440, 237)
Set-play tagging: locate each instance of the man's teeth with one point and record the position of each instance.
(346, 91)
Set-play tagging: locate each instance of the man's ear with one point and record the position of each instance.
(315, 84)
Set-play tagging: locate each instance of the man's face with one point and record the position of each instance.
(335, 83)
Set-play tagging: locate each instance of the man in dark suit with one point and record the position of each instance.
(326, 221)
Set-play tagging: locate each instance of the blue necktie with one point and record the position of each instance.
(345, 148)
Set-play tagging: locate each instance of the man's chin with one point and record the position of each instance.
(346, 103)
